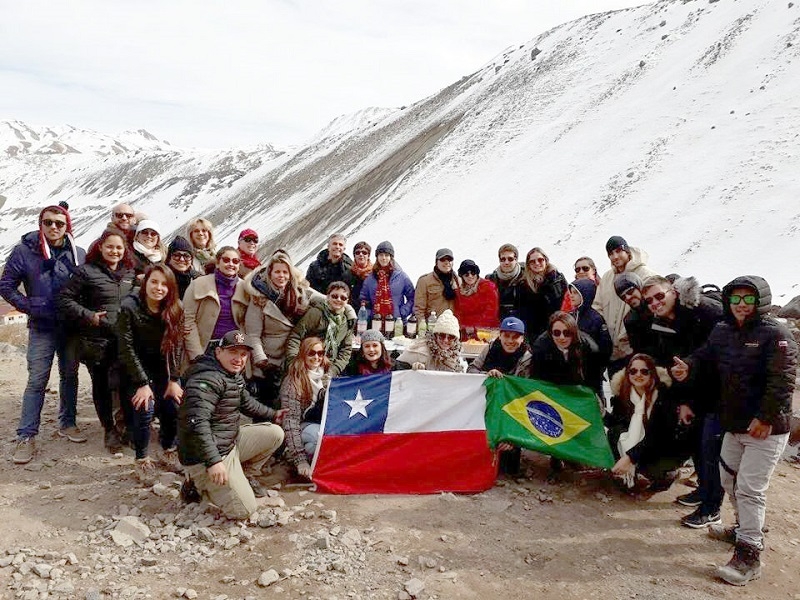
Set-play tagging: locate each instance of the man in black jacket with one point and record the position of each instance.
(682, 321)
(332, 264)
(755, 357)
(212, 444)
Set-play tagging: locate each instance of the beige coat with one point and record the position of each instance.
(429, 296)
(267, 328)
(201, 310)
(612, 309)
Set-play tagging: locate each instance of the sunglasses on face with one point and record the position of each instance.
(185, 256)
(121, 216)
(341, 297)
(148, 233)
(559, 332)
(628, 293)
(446, 259)
(361, 253)
(655, 297)
(748, 299)
(584, 268)
(250, 239)
(634, 371)
(54, 223)
(470, 274)
(507, 259)
(230, 259)
(313, 353)
(537, 261)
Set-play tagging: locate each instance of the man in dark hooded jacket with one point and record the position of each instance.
(755, 358)
(42, 263)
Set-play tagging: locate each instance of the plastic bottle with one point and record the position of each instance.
(388, 327)
(363, 317)
(422, 328)
(398, 328)
(411, 327)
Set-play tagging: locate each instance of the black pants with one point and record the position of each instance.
(105, 383)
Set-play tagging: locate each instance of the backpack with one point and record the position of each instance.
(711, 290)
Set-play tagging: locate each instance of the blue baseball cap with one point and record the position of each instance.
(513, 324)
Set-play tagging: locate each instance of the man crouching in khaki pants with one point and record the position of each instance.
(212, 444)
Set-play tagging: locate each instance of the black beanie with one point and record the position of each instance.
(180, 244)
(625, 281)
(616, 242)
(468, 266)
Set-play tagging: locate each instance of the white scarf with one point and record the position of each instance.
(635, 433)
(153, 255)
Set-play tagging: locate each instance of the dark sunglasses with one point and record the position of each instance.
(119, 215)
(230, 259)
(181, 256)
(148, 233)
(559, 332)
(319, 353)
(507, 259)
(361, 252)
(468, 273)
(250, 239)
(628, 293)
(341, 297)
(748, 299)
(537, 260)
(584, 268)
(52, 222)
(635, 371)
(659, 296)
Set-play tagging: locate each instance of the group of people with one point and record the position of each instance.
(197, 336)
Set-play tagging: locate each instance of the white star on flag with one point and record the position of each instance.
(358, 406)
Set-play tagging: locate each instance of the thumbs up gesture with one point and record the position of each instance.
(679, 369)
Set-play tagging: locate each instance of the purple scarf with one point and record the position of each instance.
(226, 286)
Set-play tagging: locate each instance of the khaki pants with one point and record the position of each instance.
(254, 445)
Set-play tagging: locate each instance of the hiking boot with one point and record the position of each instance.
(722, 533)
(169, 460)
(744, 566)
(146, 471)
(691, 499)
(189, 492)
(111, 441)
(73, 434)
(699, 519)
(258, 489)
(23, 453)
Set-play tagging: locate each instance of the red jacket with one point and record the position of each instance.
(481, 309)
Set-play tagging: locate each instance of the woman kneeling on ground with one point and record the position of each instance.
(507, 355)
(301, 394)
(643, 425)
(372, 358)
(440, 350)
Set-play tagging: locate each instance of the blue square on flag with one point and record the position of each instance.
(358, 405)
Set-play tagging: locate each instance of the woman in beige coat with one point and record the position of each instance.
(214, 304)
(279, 296)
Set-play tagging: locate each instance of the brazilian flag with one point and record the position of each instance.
(560, 420)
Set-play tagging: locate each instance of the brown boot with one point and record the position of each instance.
(744, 566)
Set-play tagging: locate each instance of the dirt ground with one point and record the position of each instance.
(525, 538)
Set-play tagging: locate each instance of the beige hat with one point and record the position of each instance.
(447, 323)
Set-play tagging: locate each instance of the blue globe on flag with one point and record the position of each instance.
(545, 418)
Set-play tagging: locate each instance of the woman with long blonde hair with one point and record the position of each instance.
(200, 233)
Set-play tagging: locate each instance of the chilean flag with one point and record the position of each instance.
(406, 432)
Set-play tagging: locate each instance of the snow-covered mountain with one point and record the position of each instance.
(674, 124)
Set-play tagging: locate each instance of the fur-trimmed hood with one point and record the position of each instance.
(689, 291)
(616, 380)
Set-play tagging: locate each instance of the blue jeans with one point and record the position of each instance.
(139, 421)
(43, 345)
(706, 464)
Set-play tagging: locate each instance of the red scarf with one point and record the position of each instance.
(250, 260)
(383, 296)
(361, 272)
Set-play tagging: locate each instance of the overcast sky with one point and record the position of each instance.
(239, 72)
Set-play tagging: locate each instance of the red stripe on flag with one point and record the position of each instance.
(405, 463)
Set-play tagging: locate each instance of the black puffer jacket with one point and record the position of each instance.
(508, 293)
(536, 307)
(757, 363)
(549, 364)
(140, 333)
(95, 288)
(322, 272)
(209, 417)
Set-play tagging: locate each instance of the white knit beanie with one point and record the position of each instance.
(447, 323)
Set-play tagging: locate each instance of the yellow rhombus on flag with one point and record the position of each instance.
(547, 429)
